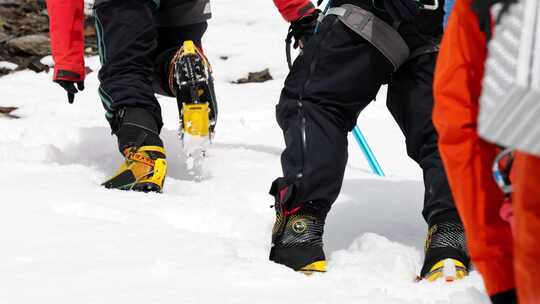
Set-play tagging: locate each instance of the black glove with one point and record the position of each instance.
(402, 10)
(303, 29)
(70, 88)
(482, 8)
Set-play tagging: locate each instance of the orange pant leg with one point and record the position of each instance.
(467, 158)
(526, 204)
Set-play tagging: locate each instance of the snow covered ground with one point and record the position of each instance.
(64, 239)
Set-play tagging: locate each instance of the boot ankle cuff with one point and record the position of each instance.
(137, 128)
(450, 216)
(132, 136)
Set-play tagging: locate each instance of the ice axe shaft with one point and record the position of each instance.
(368, 153)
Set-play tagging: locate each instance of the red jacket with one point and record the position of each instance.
(66, 23)
(294, 9)
(468, 159)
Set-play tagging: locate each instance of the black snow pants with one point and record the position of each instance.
(336, 77)
(137, 40)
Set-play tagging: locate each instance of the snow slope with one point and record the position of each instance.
(64, 239)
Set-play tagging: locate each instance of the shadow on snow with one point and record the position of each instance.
(99, 150)
(385, 207)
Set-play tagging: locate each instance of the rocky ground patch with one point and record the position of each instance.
(24, 35)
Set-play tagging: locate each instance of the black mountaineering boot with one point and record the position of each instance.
(297, 234)
(445, 250)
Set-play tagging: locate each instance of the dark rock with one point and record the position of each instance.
(10, 3)
(6, 111)
(22, 18)
(4, 71)
(90, 31)
(261, 76)
(4, 37)
(38, 45)
(90, 26)
(28, 8)
(90, 45)
(29, 24)
(38, 67)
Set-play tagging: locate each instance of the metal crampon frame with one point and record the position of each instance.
(196, 104)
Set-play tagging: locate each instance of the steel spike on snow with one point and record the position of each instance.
(368, 153)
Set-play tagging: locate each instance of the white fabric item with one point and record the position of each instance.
(510, 101)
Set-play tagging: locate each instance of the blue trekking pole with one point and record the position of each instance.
(366, 150)
(448, 5)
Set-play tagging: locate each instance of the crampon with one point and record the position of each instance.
(194, 89)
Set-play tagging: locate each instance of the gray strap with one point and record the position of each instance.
(377, 32)
(427, 49)
(338, 11)
(320, 18)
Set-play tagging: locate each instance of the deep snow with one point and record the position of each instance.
(64, 239)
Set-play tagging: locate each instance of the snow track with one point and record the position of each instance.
(64, 239)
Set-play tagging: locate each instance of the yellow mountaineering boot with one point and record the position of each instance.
(318, 266)
(144, 169)
(447, 269)
(446, 254)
